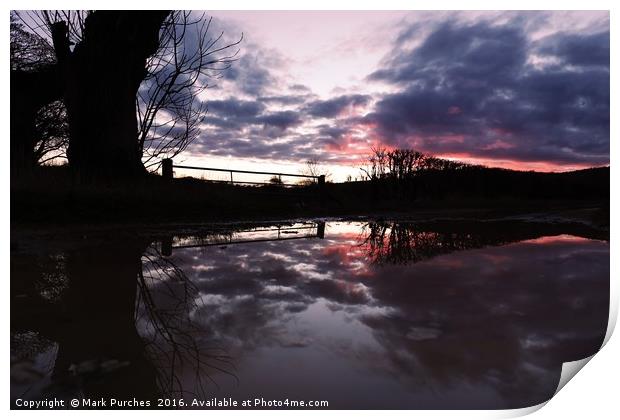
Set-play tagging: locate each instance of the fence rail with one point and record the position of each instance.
(169, 243)
(168, 172)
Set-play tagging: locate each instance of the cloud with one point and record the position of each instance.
(503, 87)
(469, 87)
(254, 72)
(235, 108)
(456, 325)
(455, 52)
(251, 74)
(299, 87)
(281, 120)
(578, 50)
(332, 107)
(291, 99)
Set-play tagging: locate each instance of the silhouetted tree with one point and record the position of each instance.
(51, 133)
(314, 168)
(403, 164)
(100, 78)
(33, 86)
(159, 60)
(376, 164)
(275, 180)
(28, 50)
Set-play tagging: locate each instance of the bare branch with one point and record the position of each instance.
(170, 110)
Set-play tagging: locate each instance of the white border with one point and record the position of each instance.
(592, 394)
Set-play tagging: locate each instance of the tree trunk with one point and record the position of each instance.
(101, 77)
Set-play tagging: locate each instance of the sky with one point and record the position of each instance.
(519, 90)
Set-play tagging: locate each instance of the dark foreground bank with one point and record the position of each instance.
(52, 196)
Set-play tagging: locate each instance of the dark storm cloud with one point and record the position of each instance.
(232, 129)
(251, 72)
(332, 132)
(281, 120)
(235, 108)
(579, 50)
(257, 142)
(462, 52)
(246, 128)
(231, 118)
(258, 117)
(331, 108)
(481, 89)
(488, 91)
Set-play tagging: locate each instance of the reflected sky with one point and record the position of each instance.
(372, 315)
(479, 328)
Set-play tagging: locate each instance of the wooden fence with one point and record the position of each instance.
(168, 173)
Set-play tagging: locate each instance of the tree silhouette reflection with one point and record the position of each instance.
(374, 315)
(119, 315)
(392, 242)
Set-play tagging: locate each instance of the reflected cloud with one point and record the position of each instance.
(449, 314)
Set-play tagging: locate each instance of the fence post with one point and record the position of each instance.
(166, 168)
(320, 230)
(166, 246)
(321, 180)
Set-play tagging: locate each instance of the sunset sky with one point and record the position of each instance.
(522, 90)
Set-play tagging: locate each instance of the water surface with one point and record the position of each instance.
(360, 314)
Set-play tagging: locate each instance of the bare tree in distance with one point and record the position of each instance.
(375, 167)
(402, 164)
(314, 168)
(275, 180)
